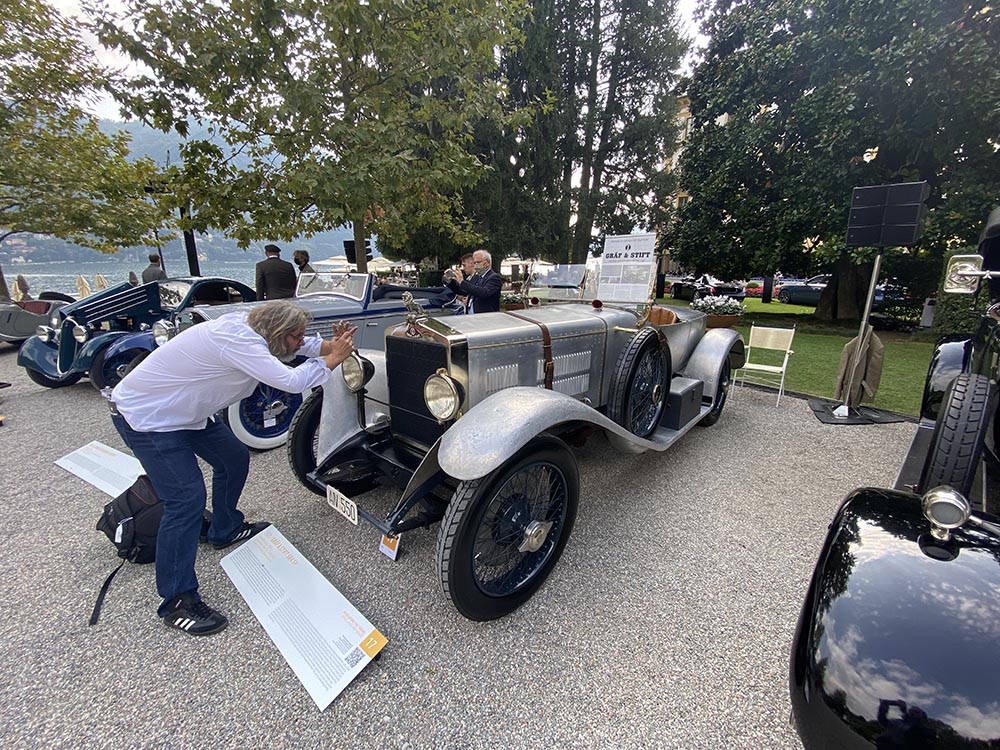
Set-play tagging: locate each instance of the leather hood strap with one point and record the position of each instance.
(546, 347)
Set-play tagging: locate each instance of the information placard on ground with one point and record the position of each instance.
(628, 268)
(323, 637)
(109, 470)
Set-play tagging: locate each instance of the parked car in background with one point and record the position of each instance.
(898, 643)
(19, 319)
(261, 420)
(805, 292)
(472, 418)
(695, 287)
(76, 340)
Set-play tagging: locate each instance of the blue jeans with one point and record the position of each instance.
(170, 459)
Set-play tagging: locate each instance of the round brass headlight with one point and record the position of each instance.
(945, 507)
(81, 334)
(163, 331)
(357, 371)
(45, 333)
(442, 395)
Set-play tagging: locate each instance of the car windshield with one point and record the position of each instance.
(347, 284)
(173, 293)
(562, 281)
(821, 279)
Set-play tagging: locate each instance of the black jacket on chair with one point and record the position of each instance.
(275, 279)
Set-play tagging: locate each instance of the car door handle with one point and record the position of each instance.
(371, 323)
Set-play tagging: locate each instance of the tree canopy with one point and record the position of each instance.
(597, 77)
(798, 101)
(347, 112)
(60, 175)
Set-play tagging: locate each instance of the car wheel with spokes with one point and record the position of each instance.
(721, 395)
(107, 372)
(503, 534)
(261, 421)
(639, 384)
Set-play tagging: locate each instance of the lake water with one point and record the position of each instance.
(61, 277)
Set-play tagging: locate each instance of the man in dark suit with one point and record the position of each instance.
(154, 271)
(482, 289)
(275, 277)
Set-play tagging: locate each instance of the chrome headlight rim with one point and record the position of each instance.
(80, 334)
(45, 333)
(356, 371)
(442, 396)
(163, 331)
(946, 508)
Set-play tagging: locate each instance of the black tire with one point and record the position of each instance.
(107, 373)
(483, 570)
(639, 385)
(303, 439)
(959, 433)
(721, 396)
(675, 292)
(56, 297)
(43, 379)
(784, 296)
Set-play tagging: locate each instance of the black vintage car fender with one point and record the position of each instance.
(898, 641)
(952, 355)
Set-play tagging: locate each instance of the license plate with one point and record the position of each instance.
(342, 504)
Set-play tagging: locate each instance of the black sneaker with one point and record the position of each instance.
(246, 531)
(193, 617)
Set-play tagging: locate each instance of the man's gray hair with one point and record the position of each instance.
(489, 258)
(274, 321)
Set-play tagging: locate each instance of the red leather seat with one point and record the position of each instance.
(34, 306)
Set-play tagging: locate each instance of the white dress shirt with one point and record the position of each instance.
(206, 368)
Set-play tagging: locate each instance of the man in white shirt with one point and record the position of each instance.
(163, 411)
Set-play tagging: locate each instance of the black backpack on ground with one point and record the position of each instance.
(131, 521)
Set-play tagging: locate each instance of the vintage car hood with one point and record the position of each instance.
(894, 641)
(491, 329)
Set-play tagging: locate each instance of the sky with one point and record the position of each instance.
(106, 108)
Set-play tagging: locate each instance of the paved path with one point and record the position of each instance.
(667, 622)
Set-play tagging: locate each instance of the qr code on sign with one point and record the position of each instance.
(354, 657)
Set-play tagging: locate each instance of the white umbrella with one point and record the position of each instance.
(82, 287)
(336, 261)
(100, 283)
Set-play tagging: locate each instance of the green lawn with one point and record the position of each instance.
(813, 367)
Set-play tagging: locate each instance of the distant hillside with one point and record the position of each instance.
(163, 149)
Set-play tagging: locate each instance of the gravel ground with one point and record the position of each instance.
(666, 624)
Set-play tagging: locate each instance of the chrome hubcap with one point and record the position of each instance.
(534, 536)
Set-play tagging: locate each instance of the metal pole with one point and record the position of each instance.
(844, 409)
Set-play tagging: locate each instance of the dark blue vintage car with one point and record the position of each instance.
(78, 336)
(898, 641)
(262, 419)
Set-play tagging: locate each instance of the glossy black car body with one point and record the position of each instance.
(898, 641)
(898, 644)
(696, 287)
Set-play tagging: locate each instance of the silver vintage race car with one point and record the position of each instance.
(473, 418)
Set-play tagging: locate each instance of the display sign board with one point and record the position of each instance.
(887, 215)
(628, 268)
(323, 637)
(109, 470)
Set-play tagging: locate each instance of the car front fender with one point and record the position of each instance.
(503, 423)
(94, 346)
(40, 356)
(952, 356)
(339, 420)
(143, 340)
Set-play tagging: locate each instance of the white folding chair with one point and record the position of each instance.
(767, 347)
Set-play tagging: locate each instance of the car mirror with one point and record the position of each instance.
(963, 274)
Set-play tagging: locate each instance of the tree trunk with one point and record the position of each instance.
(844, 297)
(360, 254)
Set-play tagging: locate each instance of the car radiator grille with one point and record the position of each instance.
(409, 362)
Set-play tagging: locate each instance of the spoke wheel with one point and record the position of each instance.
(107, 372)
(262, 420)
(785, 297)
(639, 384)
(959, 434)
(503, 534)
(303, 438)
(721, 395)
